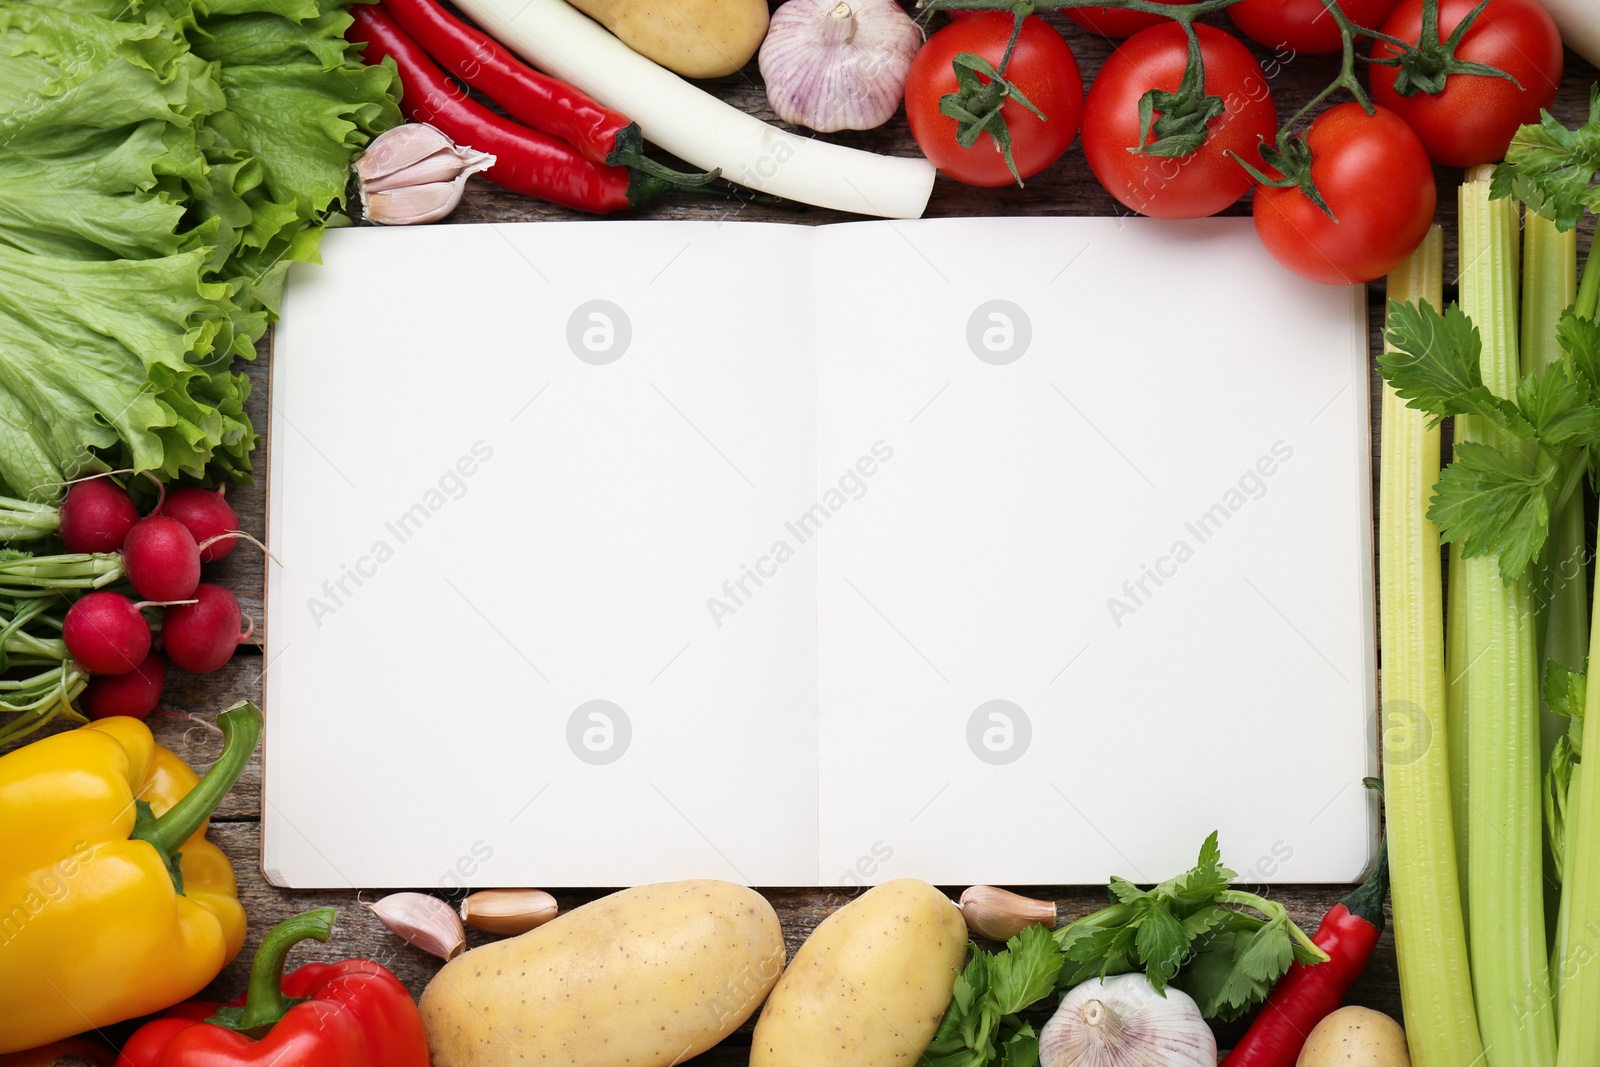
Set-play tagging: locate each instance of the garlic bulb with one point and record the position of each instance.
(838, 64)
(414, 173)
(1123, 1022)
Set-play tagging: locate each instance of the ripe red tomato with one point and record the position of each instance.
(1374, 173)
(1303, 27)
(1473, 119)
(1204, 181)
(1114, 22)
(1042, 69)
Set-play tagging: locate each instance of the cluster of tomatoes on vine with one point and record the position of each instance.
(1181, 122)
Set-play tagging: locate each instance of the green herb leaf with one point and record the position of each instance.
(1494, 506)
(1564, 692)
(1124, 891)
(1021, 1049)
(1435, 367)
(1162, 943)
(1026, 972)
(1580, 338)
(1550, 168)
(1233, 971)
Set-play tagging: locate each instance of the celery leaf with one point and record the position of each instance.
(1026, 972)
(1551, 168)
(1580, 338)
(1434, 366)
(1495, 506)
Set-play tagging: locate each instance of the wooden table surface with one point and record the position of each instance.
(192, 702)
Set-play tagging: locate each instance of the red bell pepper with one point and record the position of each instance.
(349, 1014)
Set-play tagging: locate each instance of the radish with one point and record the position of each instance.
(161, 559)
(134, 694)
(201, 637)
(207, 515)
(106, 634)
(96, 516)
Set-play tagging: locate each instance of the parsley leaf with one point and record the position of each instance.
(1492, 504)
(1550, 168)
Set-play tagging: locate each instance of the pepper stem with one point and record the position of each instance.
(265, 1002)
(241, 730)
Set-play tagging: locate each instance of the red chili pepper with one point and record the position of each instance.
(527, 161)
(350, 1014)
(1306, 995)
(536, 99)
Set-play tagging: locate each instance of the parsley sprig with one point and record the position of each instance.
(1223, 946)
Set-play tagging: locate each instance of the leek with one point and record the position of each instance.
(1430, 934)
(1510, 966)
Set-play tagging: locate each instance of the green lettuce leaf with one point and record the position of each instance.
(163, 163)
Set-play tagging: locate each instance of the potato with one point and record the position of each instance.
(695, 38)
(642, 978)
(869, 987)
(1355, 1037)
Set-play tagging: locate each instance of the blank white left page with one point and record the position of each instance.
(509, 476)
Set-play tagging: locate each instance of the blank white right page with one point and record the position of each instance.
(1094, 555)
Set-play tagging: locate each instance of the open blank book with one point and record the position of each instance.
(1016, 551)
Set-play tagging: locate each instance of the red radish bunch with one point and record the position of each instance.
(107, 634)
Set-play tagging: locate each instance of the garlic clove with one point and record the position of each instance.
(508, 911)
(414, 174)
(1001, 915)
(1123, 1022)
(396, 149)
(838, 64)
(414, 204)
(424, 921)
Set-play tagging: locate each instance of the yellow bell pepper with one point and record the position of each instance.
(112, 902)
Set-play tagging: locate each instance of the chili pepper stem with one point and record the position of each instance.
(265, 1002)
(241, 730)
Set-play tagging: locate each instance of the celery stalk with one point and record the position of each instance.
(1578, 971)
(1560, 576)
(1510, 965)
(1561, 587)
(1456, 703)
(1430, 934)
